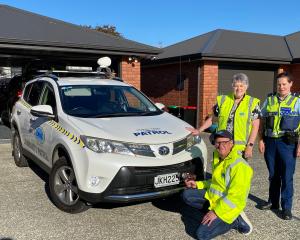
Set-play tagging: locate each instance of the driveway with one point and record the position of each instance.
(4, 133)
(27, 212)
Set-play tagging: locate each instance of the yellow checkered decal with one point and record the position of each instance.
(25, 103)
(55, 125)
(71, 136)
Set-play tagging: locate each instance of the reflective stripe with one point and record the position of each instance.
(249, 116)
(239, 142)
(227, 175)
(223, 196)
(272, 113)
(272, 100)
(290, 100)
(222, 99)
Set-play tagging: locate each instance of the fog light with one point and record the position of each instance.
(94, 181)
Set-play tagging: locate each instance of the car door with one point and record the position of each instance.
(42, 130)
(31, 99)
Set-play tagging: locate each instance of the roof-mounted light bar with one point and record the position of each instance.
(79, 68)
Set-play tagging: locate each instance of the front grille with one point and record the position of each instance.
(131, 180)
(158, 170)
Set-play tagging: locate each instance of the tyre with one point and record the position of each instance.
(63, 188)
(19, 158)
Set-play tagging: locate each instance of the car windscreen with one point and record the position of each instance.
(98, 101)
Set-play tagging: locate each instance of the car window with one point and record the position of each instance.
(34, 94)
(133, 102)
(26, 92)
(48, 97)
(104, 101)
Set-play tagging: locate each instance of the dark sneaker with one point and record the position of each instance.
(244, 225)
(287, 215)
(268, 206)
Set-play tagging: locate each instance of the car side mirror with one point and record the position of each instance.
(160, 106)
(42, 111)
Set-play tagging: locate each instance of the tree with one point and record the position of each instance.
(109, 29)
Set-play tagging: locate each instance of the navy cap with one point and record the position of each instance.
(221, 133)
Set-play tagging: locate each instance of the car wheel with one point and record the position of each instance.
(19, 158)
(63, 188)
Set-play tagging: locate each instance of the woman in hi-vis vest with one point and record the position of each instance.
(237, 113)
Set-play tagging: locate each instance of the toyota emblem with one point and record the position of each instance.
(163, 150)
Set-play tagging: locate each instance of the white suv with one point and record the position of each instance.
(102, 140)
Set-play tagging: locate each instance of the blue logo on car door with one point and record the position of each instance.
(39, 134)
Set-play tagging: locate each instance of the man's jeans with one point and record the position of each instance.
(195, 198)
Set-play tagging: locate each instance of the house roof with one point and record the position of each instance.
(227, 44)
(293, 41)
(21, 28)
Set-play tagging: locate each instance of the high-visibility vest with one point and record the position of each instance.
(227, 191)
(242, 118)
(277, 111)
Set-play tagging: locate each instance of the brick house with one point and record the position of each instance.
(195, 71)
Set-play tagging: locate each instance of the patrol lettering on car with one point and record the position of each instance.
(143, 132)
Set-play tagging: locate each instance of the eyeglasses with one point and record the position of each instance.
(217, 144)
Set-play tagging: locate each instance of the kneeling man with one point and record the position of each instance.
(223, 197)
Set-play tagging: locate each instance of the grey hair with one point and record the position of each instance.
(240, 77)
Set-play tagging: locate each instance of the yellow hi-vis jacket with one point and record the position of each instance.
(278, 110)
(242, 125)
(228, 190)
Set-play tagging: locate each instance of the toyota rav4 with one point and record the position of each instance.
(100, 139)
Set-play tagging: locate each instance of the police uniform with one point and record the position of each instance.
(281, 137)
(237, 119)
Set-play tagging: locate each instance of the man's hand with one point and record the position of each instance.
(261, 146)
(189, 183)
(209, 218)
(194, 131)
(248, 152)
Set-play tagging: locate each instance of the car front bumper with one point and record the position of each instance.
(137, 183)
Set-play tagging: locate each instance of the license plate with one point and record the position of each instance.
(166, 180)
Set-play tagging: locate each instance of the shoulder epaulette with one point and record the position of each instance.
(272, 94)
(295, 94)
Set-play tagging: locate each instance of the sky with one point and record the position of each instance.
(161, 23)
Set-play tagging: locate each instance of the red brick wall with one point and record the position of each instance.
(294, 69)
(131, 72)
(208, 88)
(159, 83)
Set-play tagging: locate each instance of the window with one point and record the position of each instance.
(35, 91)
(48, 97)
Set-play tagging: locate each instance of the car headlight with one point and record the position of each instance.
(105, 146)
(192, 140)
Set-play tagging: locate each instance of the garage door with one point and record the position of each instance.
(261, 79)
